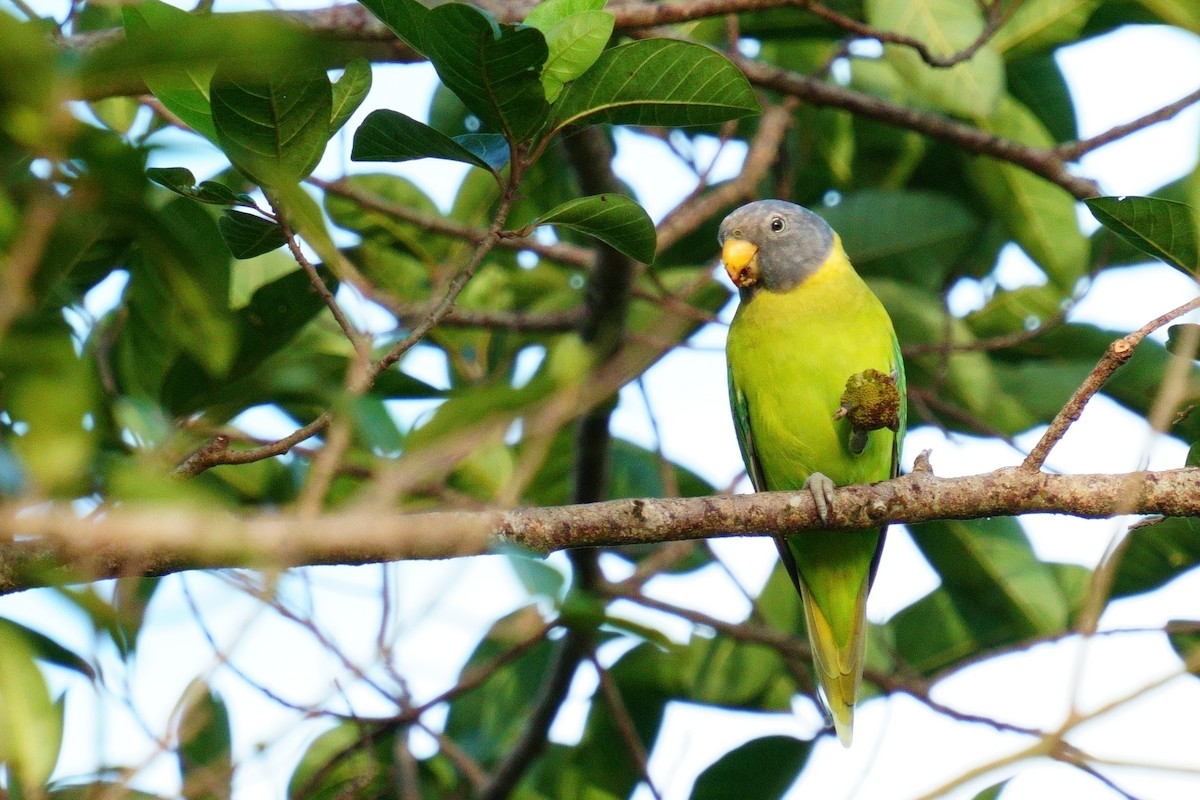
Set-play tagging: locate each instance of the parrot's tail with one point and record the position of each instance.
(839, 668)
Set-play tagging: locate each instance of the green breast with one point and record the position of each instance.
(790, 355)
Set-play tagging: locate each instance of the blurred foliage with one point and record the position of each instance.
(143, 311)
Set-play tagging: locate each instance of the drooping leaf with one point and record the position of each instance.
(349, 91)
(612, 218)
(274, 129)
(43, 648)
(1040, 215)
(494, 68)
(1164, 229)
(249, 235)
(760, 769)
(387, 135)
(657, 82)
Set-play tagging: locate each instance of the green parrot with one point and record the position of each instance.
(806, 325)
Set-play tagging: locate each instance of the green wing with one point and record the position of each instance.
(741, 423)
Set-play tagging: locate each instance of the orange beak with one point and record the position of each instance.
(741, 262)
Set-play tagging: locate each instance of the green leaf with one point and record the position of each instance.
(994, 591)
(487, 721)
(31, 724)
(493, 68)
(1037, 26)
(574, 43)
(970, 88)
(612, 218)
(992, 792)
(349, 91)
(182, 182)
(184, 91)
(1187, 645)
(1164, 229)
(249, 235)
(408, 19)
(353, 759)
(917, 236)
(275, 129)
(43, 648)
(387, 135)
(491, 147)
(538, 577)
(1182, 340)
(657, 82)
(548, 13)
(205, 745)
(1040, 215)
(1154, 554)
(760, 769)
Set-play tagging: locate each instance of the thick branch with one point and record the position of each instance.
(156, 540)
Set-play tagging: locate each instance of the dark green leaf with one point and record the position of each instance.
(494, 68)
(1182, 340)
(1164, 229)
(406, 18)
(657, 82)
(182, 182)
(273, 129)
(612, 218)
(1154, 554)
(205, 745)
(349, 92)
(760, 769)
(249, 235)
(1187, 645)
(387, 135)
(48, 650)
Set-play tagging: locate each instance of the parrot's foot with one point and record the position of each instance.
(822, 492)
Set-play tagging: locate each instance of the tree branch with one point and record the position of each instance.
(126, 540)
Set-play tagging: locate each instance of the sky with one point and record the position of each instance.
(441, 609)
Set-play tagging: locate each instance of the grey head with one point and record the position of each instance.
(781, 244)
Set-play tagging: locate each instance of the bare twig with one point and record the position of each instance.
(1114, 357)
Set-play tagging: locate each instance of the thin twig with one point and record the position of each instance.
(1117, 354)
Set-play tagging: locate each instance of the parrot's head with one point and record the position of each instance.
(773, 245)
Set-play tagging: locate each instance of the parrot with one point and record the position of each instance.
(805, 326)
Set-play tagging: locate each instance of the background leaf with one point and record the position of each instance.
(613, 219)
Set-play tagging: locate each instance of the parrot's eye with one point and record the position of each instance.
(777, 224)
